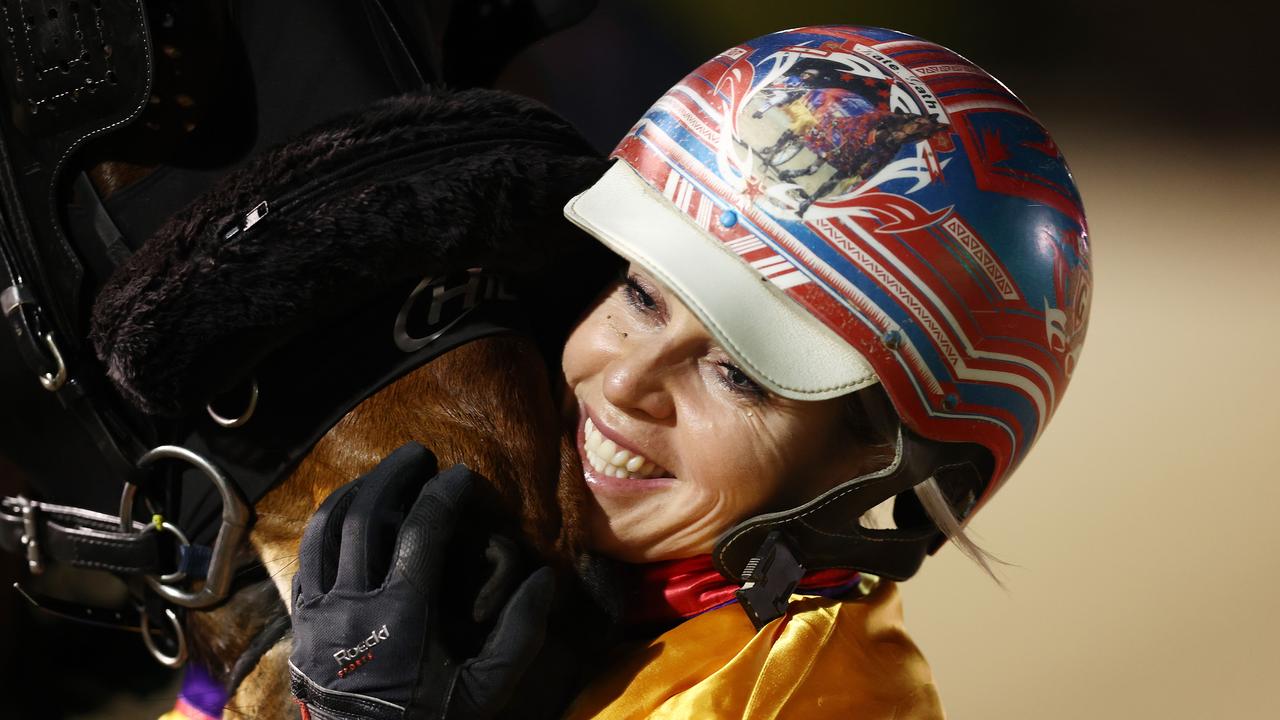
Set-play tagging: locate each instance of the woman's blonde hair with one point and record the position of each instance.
(873, 424)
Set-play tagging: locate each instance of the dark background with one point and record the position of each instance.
(1204, 69)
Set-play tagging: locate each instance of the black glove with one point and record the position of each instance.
(412, 616)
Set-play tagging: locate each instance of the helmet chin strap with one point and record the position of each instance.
(769, 553)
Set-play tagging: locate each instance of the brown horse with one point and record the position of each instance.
(488, 404)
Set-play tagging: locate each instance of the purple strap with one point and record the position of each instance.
(202, 692)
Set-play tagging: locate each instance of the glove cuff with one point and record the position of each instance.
(319, 703)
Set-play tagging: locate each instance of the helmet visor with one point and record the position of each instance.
(774, 339)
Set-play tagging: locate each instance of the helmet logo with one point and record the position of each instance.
(822, 122)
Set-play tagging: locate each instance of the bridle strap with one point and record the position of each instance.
(272, 633)
(82, 538)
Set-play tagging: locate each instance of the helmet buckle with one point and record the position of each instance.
(771, 576)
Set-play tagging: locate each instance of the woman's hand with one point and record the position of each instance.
(427, 613)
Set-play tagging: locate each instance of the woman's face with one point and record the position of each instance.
(677, 443)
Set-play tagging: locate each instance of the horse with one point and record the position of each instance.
(491, 403)
(488, 403)
(842, 129)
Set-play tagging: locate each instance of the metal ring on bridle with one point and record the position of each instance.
(243, 418)
(179, 638)
(53, 382)
(178, 575)
(232, 534)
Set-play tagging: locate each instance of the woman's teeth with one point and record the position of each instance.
(608, 459)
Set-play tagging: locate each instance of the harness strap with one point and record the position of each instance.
(82, 538)
(310, 384)
(308, 399)
(80, 70)
(271, 634)
(127, 617)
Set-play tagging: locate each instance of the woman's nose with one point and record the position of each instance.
(637, 380)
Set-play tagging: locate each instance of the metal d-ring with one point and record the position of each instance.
(54, 381)
(179, 639)
(231, 534)
(178, 575)
(244, 416)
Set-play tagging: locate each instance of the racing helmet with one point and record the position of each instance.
(842, 206)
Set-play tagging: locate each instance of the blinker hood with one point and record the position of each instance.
(256, 282)
(304, 283)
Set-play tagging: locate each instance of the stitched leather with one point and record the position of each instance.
(87, 539)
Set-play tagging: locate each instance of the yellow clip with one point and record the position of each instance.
(158, 521)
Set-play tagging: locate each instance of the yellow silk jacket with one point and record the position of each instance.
(825, 659)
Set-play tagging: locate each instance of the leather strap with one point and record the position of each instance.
(825, 532)
(80, 537)
(69, 72)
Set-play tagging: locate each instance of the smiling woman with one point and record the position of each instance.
(654, 388)
(859, 276)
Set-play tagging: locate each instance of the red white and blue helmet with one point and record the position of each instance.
(848, 205)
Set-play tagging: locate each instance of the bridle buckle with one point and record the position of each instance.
(30, 540)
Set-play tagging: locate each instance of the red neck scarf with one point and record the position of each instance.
(675, 590)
